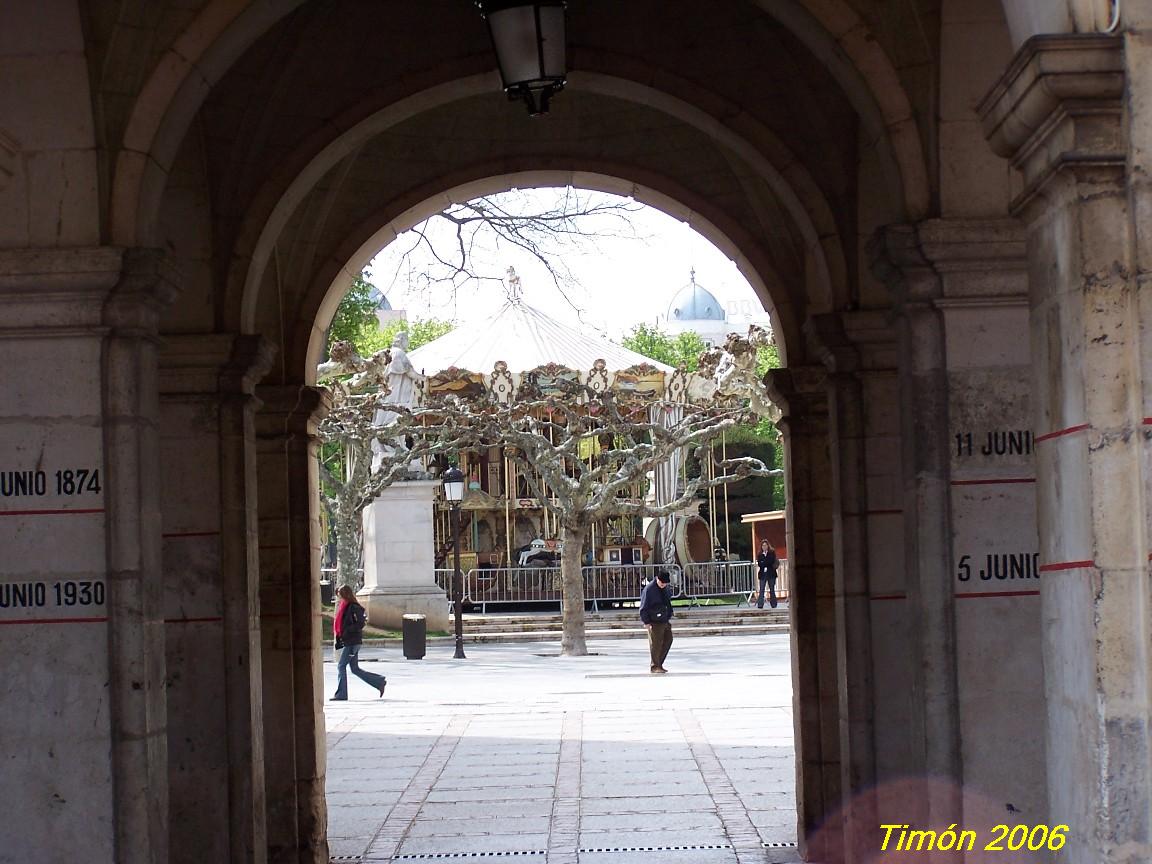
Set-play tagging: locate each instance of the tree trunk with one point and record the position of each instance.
(347, 548)
(572, 643)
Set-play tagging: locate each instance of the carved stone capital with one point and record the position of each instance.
(941, 262)
(148, 282)
(290, 410)
(851, 342)
(1059, 108)
(66, 291)
(207, 363)
(897, 258)
(800, 392)
(249, 361)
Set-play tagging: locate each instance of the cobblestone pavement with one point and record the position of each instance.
(527, 756)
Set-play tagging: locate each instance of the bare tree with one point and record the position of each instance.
(441, 251)
(543, 437)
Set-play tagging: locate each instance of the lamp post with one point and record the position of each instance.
(530, 46)
(454, 494)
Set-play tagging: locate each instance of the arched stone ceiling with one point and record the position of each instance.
(457, 142)
(224, 29)
(307, 80)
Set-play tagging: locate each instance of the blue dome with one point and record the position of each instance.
(695, 303)
(377, 297)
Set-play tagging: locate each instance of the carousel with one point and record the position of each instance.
(506, 531)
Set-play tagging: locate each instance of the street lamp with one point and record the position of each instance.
(454, 494)
(529, 43)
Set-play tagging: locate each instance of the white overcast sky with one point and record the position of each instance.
(619, 280)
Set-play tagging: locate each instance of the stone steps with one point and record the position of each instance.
(547, 627)
(630, 622)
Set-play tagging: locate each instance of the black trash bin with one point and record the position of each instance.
(415, 632)
(326, 592)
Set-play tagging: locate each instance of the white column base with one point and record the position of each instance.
(399, 578)
(386, 606)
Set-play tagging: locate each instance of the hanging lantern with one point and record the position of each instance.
(530, 48)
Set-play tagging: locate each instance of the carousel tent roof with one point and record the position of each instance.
(524, 338)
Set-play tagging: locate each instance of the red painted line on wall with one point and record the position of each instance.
(993, 481)
(181, 534)
(59, 621)
(968, 595)
(193, 620)
(60, 512)
(889, 597)
(1148, 421)
(1066, 565)
(1069, 431)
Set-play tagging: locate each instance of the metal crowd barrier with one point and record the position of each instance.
(604, 584)
(708, 579)
(731, 579)
(610, 583)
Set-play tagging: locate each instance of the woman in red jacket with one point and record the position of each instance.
(348, 625)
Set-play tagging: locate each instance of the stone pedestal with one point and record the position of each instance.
(399, 557)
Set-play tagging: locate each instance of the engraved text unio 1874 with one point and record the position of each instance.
(38, 483)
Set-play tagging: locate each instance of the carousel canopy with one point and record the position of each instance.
(524, 338)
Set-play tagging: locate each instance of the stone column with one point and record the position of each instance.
(399, 557)
(216, 759)
(291, 649)
(800, 393)
(858, 352)
(1060, 113)
(923, 384)
(84, 719)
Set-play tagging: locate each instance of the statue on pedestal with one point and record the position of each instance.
(403, 383)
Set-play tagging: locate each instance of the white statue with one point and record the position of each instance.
(403, 386)
(402, 378)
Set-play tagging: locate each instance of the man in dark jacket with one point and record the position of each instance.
(656, 613)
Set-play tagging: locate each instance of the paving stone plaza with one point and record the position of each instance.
(519, 754)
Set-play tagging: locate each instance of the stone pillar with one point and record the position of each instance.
(799, 391)
(79, 522)
(1060, 113)
(859, 363)
(291, 649)
(216, 759)
(399, 557)
(934, 737)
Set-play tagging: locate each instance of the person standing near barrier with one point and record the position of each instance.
(656, 613)
(767, 563)
(348, 628)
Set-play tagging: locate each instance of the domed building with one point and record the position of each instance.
(385, 314)
(696, 309)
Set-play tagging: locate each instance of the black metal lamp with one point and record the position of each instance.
(454, 494)
(530, 48)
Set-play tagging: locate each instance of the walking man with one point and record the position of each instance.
(767, 563)
(656, 613)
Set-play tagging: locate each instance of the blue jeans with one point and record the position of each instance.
(348, 657)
